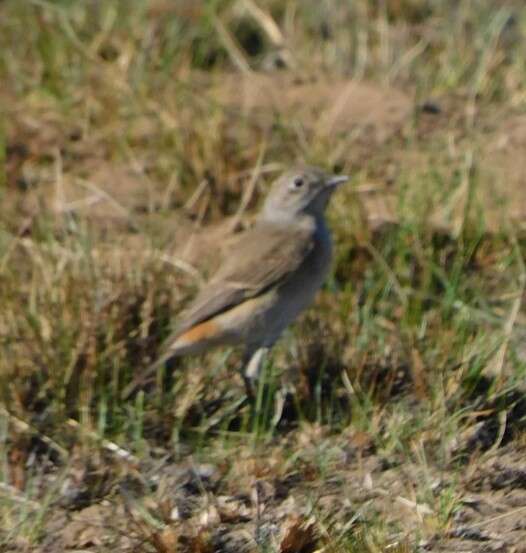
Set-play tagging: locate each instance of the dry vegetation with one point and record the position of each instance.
(137, 137)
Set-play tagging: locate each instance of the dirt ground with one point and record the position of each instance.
(257, 496)
(153, 233)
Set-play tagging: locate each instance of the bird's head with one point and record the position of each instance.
(301, 191)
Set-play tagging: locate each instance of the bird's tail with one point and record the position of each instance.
(146, 376)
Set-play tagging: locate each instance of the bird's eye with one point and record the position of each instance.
(298, 182)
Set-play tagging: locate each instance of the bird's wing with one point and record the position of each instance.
(264, 256)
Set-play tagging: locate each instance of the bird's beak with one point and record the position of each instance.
(335, 180)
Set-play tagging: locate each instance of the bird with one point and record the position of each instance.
(268, 278)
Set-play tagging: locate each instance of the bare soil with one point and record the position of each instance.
(257, 498)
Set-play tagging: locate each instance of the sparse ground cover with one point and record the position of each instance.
(136, 139)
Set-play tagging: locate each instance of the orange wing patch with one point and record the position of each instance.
(199, 333)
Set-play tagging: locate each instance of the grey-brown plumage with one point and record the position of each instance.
(265, 256)
(269, 276)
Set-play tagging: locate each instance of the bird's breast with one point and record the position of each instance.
(299, 290)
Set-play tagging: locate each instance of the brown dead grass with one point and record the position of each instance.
(120, 197)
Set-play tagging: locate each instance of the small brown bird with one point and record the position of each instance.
(269, 277)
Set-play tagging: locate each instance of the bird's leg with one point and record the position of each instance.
(252, 363)
(255, 363)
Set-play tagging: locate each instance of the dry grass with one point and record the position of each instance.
(136, 138)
